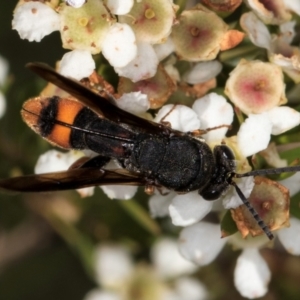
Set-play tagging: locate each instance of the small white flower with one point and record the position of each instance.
(165, 49)
(201, 242)
(191, 289)
(290, 238)
(292, 183)
(97, 294)
(119, 7)
(180, 117)
(120, 192)
(293, 6)
(213, 110)
(55, 161)
(135, 102)
(77, 64)
(113, 266)
(33, 20)
(119, 46)
(143, 66)
(257, 30)
(167, 260)
(159, 205)
(283, 118)
(189, 209)
(2, 104)
(254, 134)
(75, 3)
(251, 275)
(231, 199)
(203, 71)
(3, 70)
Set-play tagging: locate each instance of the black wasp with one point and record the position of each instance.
(150, 154)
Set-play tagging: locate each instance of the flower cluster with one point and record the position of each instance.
(166, 278)
(165, 52)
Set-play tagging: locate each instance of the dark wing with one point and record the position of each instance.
(94, 101)
(70, 179)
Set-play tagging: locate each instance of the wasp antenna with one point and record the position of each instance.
(254, 213)
(269, 171)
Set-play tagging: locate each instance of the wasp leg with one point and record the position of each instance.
(199, 132)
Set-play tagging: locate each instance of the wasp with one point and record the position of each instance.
(149, 154)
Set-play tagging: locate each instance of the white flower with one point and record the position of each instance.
(180, 117)
(293, 6)
(119, 7)
(113, 266)
(135, 102)
(118, 276)
(2, 104)
(76, 3)
(202, 72)
(3, 70)
(201, 242)
(251, 274)
(283, 118)
(290, 238)
(231, 199)
(77, 64)
(97, 294)
(55, 161)
(121, 192)
(159, 206)
(191, 289)
(213, 110)
(33, 20)
(165, 49)
(254, 134)
(167, 260)
(189, 209)
(119, 46)
(257, 30)
(143, 66)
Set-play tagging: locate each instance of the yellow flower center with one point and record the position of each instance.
(149, 13)
(83, 22)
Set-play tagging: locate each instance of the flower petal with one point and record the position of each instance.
(257, 31)
(97, 294)
(290, 238)
(135, 102)
(191, 289)
(251, 274)
(33, 20)
(143, 66)
(201, 243)
(283, 118)
(113, 266)
(167, 260)
(77, 64)
(180, 117)
(119, 7)
(203, 72)
(119, 46)
(213, 110)
(188, 209)
(75, 3)
(254, 134)
(159, 205)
